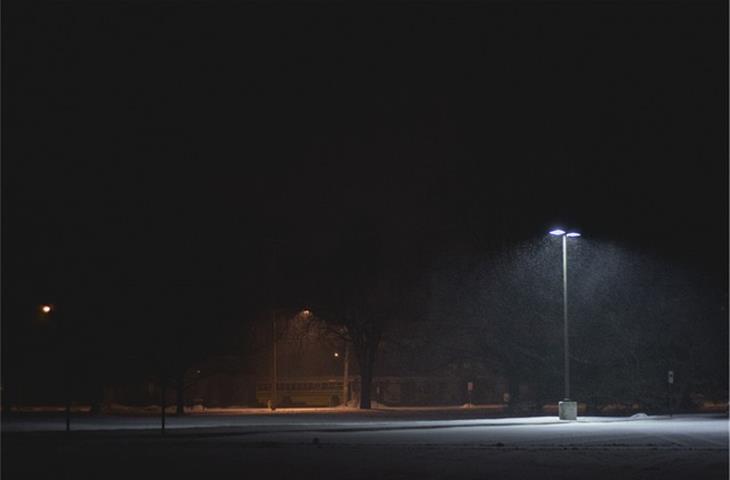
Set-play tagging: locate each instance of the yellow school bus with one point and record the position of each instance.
(302, 392)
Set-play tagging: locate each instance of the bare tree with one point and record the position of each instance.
(364, 313)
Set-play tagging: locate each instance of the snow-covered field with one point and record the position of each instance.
(353, 445)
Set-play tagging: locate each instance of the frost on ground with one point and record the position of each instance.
(372, 447)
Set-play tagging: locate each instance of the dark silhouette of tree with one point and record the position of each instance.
(364, 303)
(191, 323)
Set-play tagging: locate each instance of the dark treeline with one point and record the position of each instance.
(632, 318)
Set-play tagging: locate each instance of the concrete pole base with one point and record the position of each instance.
(568, 410)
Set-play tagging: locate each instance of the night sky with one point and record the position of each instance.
(187, 153)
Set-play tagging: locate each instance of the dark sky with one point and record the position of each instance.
(173, 149)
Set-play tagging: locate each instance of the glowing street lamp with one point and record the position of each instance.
(567, 409)
(46, 308)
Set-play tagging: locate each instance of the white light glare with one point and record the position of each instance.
(573, 234)
(557, 232)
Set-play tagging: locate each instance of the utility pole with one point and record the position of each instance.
(345, 377)
(67, 364)
(163, 403)
(274, 372)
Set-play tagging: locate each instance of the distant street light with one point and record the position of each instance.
(46, 308)
(345, 374)
(567, 409)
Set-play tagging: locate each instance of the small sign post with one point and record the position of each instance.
(670, 382)
(470, 389)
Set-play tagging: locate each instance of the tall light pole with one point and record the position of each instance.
(48, 310)
(567, 409)
(275, 355)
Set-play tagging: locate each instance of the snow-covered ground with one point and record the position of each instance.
(372, 445)
(336, 424)
(534, 432)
